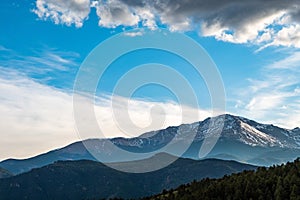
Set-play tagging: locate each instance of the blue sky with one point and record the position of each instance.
(43, 43)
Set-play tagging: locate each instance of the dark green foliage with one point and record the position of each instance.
(276, 182)
(92, 180)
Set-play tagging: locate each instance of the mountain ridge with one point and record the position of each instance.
(243, 139)
(5, 173)
(87, 179)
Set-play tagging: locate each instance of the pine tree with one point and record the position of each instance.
(295, 193)
(279, 189)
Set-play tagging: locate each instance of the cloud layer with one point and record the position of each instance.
(264, 23)
(36, 118)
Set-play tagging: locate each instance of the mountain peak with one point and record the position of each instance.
(241, 139)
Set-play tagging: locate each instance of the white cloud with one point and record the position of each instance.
(255, 31)
(63, 12)
(297, 90)
(147, 18)
(113, 13)
(131, 117)
(265, 102)
(133, 34)
(36, 118)
(263, 23)
(32, 117)
(288, 36)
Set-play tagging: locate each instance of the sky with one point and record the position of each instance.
(254, 44)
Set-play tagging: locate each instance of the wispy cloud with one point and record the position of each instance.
(292, 62)
(46, 64)
(56, 60)
(274, 96)
(3, 48)
(39, 61)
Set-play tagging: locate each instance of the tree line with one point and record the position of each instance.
(276, 182)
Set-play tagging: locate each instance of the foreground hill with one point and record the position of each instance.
(241, 139)
(89, 179)
(280, 182)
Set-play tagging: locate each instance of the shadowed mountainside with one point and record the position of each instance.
(89, 179)
(4, 173)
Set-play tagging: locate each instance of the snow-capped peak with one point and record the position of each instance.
(255, 137)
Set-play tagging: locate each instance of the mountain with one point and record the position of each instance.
(4, 173)
(93, 180)
(245, 140)
(276, 182)
(241, 139)
(75, 151)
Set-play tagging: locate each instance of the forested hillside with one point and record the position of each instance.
(86, 179)
(276, 182)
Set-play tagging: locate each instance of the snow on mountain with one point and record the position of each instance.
(241, 139)
(244, 130)
(231, 127)
(255, 137)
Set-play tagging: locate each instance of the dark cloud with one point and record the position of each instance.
(295, 15)
(238, 21)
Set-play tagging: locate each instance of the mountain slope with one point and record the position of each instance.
(89, 179)
(75, 151)
(4, 173)
(241, 139)
(280, 182)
